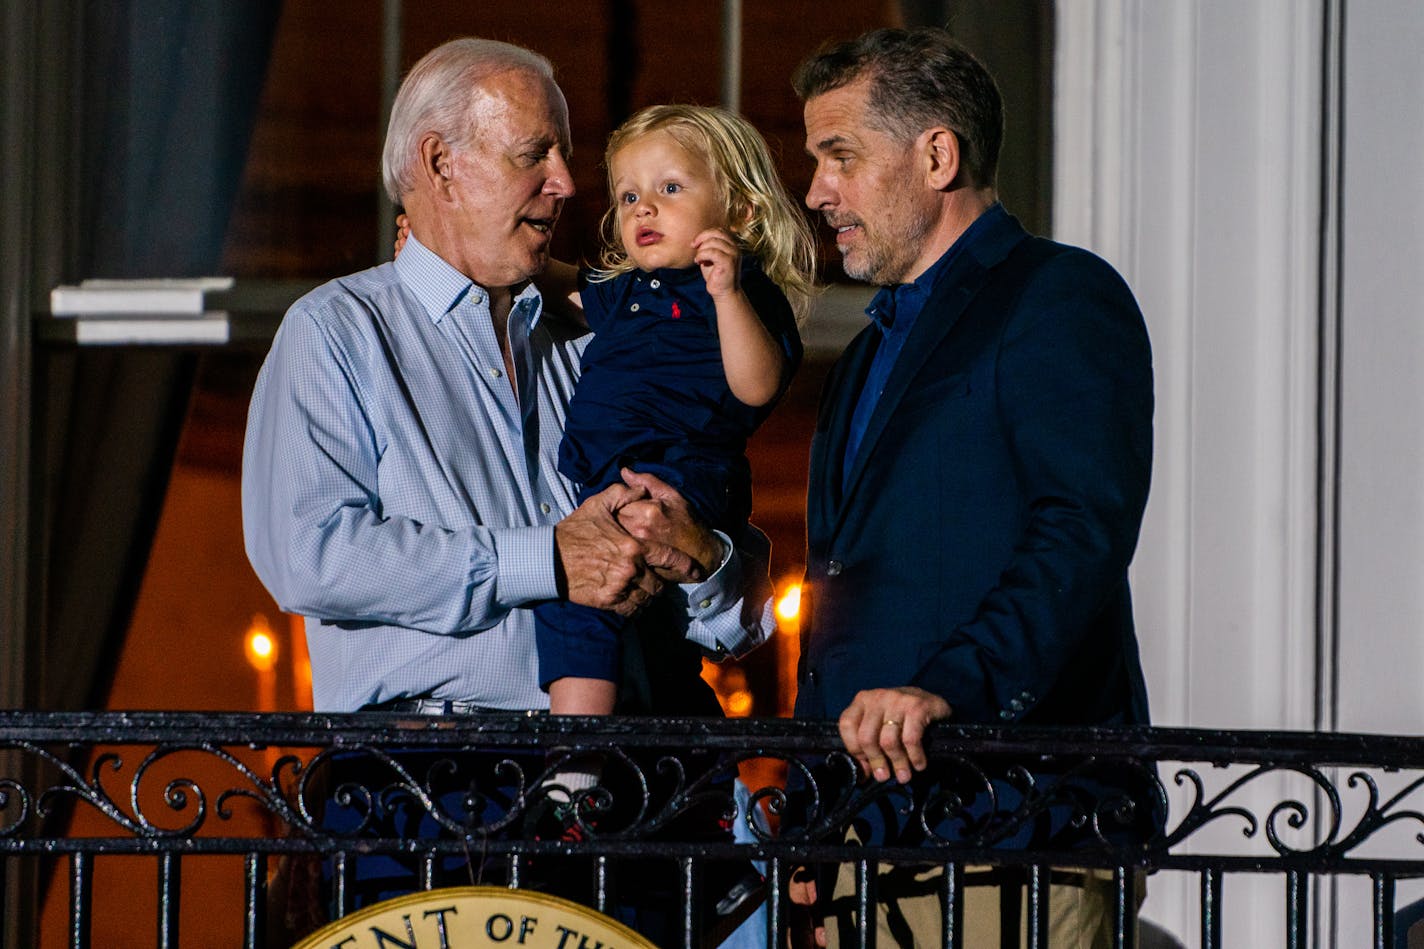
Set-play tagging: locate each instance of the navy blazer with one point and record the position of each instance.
(978, 547)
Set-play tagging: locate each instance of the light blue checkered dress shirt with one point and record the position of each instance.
(397, 495)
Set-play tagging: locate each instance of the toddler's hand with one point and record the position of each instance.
(719, 257)
(402, 232)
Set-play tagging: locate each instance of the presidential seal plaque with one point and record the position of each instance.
(476, 917)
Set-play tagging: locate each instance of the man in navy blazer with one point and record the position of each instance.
(982, 456)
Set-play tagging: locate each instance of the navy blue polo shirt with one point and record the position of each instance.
(652, 388)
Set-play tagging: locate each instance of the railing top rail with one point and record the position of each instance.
(171, 781)
(529, 729)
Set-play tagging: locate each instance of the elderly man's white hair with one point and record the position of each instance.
(435, 97)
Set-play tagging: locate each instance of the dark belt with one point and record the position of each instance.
(438, 707)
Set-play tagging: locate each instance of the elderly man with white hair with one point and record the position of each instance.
(400, 487)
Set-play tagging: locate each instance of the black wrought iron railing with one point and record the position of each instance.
(85, 796)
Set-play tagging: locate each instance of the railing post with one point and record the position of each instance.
(600, 884)
(1037, 907)
(775, 886)
(81, 889)
(865, 890)
(954, 905)
(255, 914)
(1383, 910)
(341, 895)
(170, 892)
(692, 885)
(426, 870)
(1297, 909)
(1125, 910)
(1211, 909)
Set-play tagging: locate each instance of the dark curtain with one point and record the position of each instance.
(169, 93)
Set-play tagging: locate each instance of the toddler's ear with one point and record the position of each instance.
(740, 216)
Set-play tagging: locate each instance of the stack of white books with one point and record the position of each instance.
(163, 310)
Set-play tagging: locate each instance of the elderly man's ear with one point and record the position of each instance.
(436, 160)
(940, 154)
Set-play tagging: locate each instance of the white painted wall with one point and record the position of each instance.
(1382, 368)
(1193, 152)
(1188, 157)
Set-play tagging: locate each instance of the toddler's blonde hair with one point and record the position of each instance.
(775, 231)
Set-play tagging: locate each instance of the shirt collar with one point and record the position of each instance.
(910, 298)
(682, 276)
(440, 287)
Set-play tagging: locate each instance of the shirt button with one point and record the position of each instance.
(545, 507)
(634, 308)
(495, 373)
(706, 602)
(655, 284)
(1006, 715)
(811, 676)
(834, 568)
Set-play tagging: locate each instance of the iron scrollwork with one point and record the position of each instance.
(195, 782)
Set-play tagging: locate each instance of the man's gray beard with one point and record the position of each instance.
(871, 271)
(856, 273)
(877, 266)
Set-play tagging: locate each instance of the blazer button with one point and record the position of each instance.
(834, 568)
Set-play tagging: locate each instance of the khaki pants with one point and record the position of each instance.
(910, 910)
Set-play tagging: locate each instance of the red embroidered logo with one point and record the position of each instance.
(676, 311)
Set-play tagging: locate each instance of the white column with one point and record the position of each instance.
(1188, 154)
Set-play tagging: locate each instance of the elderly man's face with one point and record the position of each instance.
(869, 188)
(511, 183)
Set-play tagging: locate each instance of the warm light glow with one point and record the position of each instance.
(260, 645)
(788, 607)
(738, 704)
(729, 681)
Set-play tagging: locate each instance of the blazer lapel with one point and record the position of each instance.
(953, 292)
(823, 500)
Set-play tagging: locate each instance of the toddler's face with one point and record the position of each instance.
(665, 196)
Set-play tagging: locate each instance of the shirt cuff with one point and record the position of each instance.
(714, 606)
(727, 576)
(524, 557)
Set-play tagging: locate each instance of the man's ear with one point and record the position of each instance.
(940, 150)
(436, 163)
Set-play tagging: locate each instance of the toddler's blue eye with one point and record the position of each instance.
(629, 197)
(672, 187)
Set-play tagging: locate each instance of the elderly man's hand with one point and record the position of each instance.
(601, 565)
(884, 729)
(663, 517)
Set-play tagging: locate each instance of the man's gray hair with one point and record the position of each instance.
(435, 97)
(918, 78)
